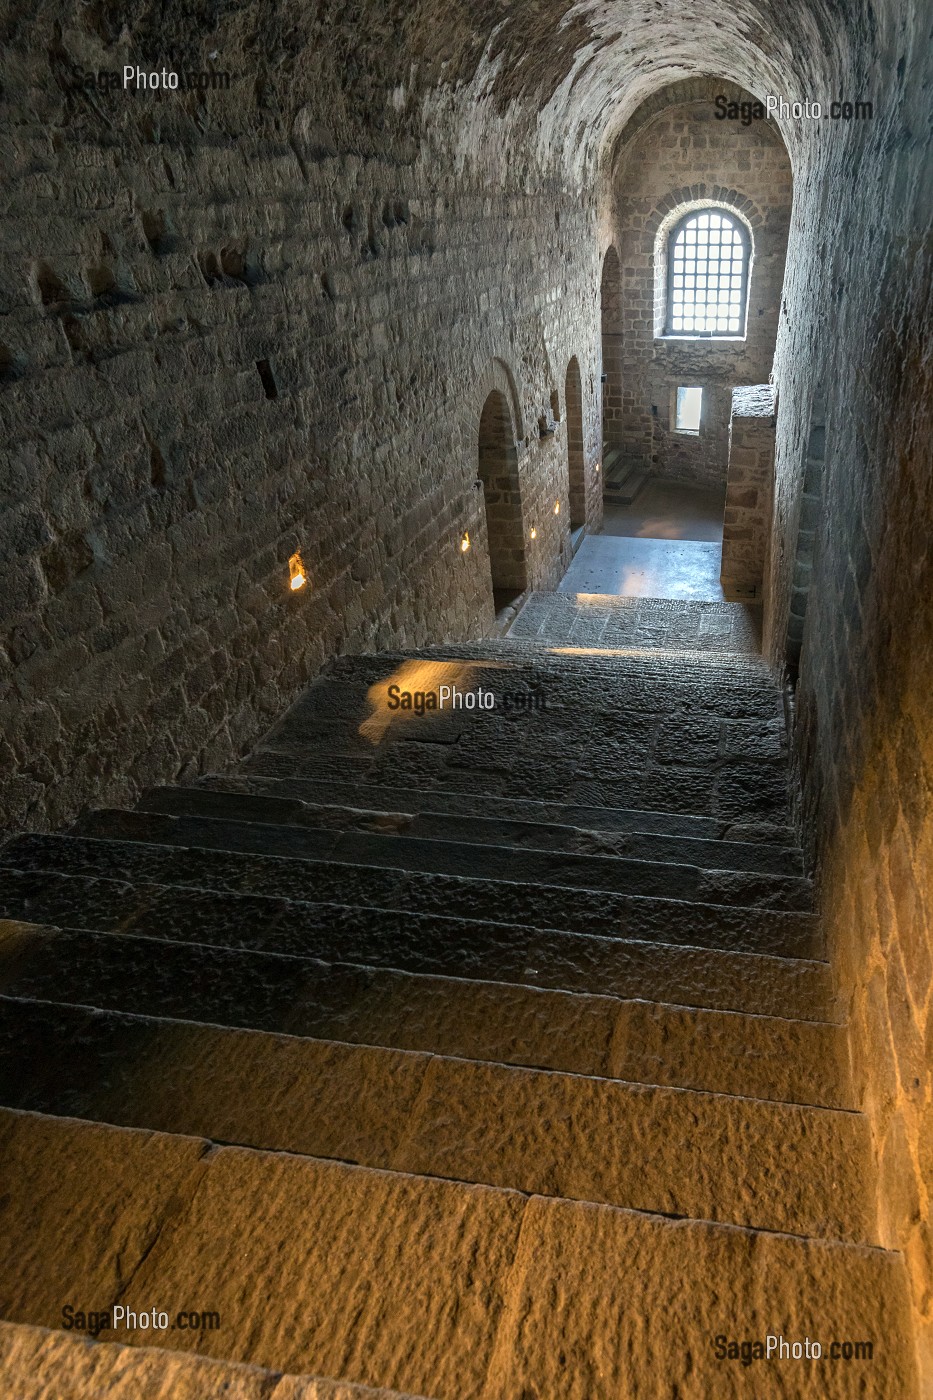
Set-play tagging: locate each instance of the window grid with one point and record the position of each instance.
(707, 273)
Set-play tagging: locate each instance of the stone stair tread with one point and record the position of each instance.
(424, 821)
(534, 1278)
(624, 489)
(667, 1150)
(786, 933)
(592, 1034)
(528, 867)
(357, 796)
(38, 1363)
(736, 792)
(62, 884)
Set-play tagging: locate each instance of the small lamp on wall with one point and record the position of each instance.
(534, 532)
(464, 542)
(557, 507)
(297, 578)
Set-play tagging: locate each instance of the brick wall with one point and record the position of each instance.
(676, 156)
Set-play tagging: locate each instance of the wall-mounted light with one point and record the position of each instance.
(598, 465)
(534, 533)
(557, 507)
(297, 578)
(464, 542)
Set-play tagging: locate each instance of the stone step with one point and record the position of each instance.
(763, 1057)
(405, 799)
(552, 876)
(737, 687)
(729, 792)
(695, 641)
(427, 1286)
(389, 908)
(623, 489)
(672, 1151)
(40, 1364)
(423, 821)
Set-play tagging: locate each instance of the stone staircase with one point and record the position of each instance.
(622, 481)
(472, 1053)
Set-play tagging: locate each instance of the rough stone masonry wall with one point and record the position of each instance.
(677, 154)
(858, 323)
(749, 489)
(223, 341)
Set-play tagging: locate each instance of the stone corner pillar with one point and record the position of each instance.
(749, 487)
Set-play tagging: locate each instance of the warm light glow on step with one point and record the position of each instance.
(296, 573)
(464, 542)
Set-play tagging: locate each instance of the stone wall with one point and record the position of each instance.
(749, 491)
(223, 343)
(679, 154)
(854, 478)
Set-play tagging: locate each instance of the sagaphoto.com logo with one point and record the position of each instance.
(781, 108)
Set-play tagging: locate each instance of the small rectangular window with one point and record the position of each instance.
(689, 406)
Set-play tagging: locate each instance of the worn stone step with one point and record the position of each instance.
(430, 1287)
(651, 1043)
(401, 799)
(40, 1364)
(623, 488)
(579, 685)
(561, 874)
(674, 1151)
(736, 792)
(423, 821)
(386, 903)
(648, 646)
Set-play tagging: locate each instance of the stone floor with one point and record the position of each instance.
(471, 1054)
(666, 544)
(669, 510)
(672, 625)
(621, 565)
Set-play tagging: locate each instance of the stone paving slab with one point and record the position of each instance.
(385, 1279)
(608, 1303)
(666, 624)
(80, 1207)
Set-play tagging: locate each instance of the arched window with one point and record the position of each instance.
(707, 274)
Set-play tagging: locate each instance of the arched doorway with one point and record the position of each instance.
(610, 300)
(573, 398)
(498, 471)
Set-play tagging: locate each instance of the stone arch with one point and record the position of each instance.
(576, 466)
(502, 500)
(499, 376)
(672, 209)
(610, 303)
